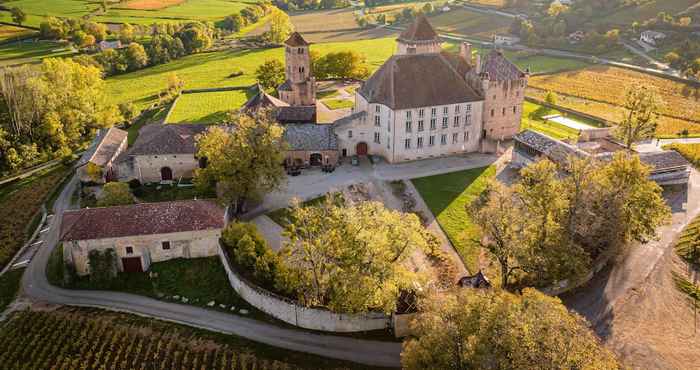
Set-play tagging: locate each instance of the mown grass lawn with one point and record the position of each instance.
(37, 10)
(31, 51)
(206, 107)
(334, 104)
(532, 119)
(207, 70)
(447, 196)
(197, 10)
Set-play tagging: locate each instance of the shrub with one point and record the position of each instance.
(103, 266)
(134, 184)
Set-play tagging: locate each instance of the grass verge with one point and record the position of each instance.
(447, 196)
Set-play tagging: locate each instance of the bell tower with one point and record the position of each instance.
(299, 89)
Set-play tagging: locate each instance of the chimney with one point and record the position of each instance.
(465, 52)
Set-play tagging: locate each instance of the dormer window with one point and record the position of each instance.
(300, 51)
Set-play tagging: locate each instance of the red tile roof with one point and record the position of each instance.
(142, 219)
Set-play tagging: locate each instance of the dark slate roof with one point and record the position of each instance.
(286, 86)
(551, 148)
(500, 68)
(295, 39)
(158, 139)
(664, 160)
(349, 119)
(478, 281)
(420, 80)
(141, 219)
(419, 31)
(104, 147)
(310, 136)
(299, 114)
(262, 100)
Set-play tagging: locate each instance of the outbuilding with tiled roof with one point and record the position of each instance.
(96, 163)
(141, 234)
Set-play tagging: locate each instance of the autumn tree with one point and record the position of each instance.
(350, 258)
(243, 159)
(270, 74)
(641, 118)
(136, 57)
(126, 33)
(280, 27)
(500, 330)
(342, 64)
(115, 194)
(18, 15)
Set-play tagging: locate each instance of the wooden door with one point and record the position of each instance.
(132, 264)
(361, 148)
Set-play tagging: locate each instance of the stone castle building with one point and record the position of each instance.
(299, 89)
(424, 102)
(141, 234)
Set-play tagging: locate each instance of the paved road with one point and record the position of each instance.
(36, 287)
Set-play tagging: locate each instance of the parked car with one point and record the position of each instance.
(355, 161)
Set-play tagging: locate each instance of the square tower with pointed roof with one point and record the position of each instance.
(299, 88)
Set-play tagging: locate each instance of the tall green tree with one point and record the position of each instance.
(499, 330)
(639, 122)
(18, 15)
(350, 258)
(243, 159)
(280, 27)
(270, 74)
(136, 57)
(115, 194)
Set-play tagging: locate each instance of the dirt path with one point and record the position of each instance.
(634, 305)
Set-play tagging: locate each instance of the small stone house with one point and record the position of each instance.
(96, 164)
(311, 144)
(161, 153)
(141, 234)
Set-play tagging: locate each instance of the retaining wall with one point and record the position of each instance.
(290, 312)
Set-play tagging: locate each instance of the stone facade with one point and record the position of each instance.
(299, 88)
(306, 158)
(154, 168)
(100, 158)
(503, 108)
(148, 248)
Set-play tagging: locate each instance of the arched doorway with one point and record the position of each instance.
(361, 148)
(316, 159)
(166, 174)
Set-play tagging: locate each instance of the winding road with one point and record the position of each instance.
(36, 287)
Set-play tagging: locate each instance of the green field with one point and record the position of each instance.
(8, 33)
(37, 10)
(471, 24)
(30, 52)
(334, 104)
(447, 196)
(207, 107)
(645, 11)
(207, 70)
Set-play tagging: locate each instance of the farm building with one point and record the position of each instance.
(96, 164)
(667, 167)
(161, 153)
(141, 234)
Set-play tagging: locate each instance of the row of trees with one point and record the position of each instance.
(347, 64)
(249, 15)
(83, 33)
(50, 110)
(686, 58)
(311, 4)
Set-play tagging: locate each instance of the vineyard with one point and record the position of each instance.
(668, 126)
(19, 203)
(608, 84)
(94, 339)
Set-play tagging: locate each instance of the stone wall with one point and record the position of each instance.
(304, 156)
(503, 108)
(288, 311)
(147, 168)
(190, 244)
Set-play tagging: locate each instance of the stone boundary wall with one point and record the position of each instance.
(571, 111)
(290, 312)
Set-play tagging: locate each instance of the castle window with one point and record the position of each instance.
(433, 123)
(165, 245)
(468, 119)
(376, 120)
(388, 143)
(466, 136)
(515, 110)
(454, 138)
(469, 108)
(376, 137)
(494, 96)
(420, 142)
(433, 112)
(350, 134)
(493, 112)
(409, 127)
(407, 144)
(445, 110)
(504, 111)
(457, 109)
(444, 122)
(431, 140)
(443, 139)
(456, 123)
(408, 114)
(129, 250)
(300, 51)
(377, 109)
(420, 125)
(421, 112)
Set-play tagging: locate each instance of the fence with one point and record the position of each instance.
(290, 312)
